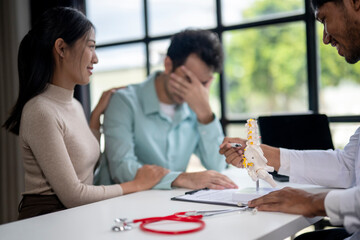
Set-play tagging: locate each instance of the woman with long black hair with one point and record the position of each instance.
(59, 149)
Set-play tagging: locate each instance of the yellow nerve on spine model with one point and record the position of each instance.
(254, 159)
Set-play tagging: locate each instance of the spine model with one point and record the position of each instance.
(254, 159)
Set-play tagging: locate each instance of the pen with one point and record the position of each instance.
(236, 145)
(194, 191)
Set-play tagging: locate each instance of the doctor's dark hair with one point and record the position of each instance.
(36, 61)
(315, 4)
(205, 44)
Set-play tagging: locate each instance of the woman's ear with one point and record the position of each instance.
(168, 65)
(356, 4)
(59, 47)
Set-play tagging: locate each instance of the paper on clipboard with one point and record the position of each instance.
(229, 197)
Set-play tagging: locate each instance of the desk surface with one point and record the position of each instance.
(94, 221)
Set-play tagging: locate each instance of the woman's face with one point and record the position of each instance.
(81, 58)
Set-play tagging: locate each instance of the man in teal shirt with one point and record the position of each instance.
(167, 118)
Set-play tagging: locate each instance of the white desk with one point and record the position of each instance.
(94, 221)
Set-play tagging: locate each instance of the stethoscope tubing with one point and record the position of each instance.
(145, 222)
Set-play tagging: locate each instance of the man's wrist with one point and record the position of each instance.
(130, 187)
(272, 154)
(206, 119)
(179, 181)
(318, 204)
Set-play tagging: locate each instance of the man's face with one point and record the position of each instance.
(202, 71)
(340, 29)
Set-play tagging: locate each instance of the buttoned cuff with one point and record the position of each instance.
(332, 207)
(341, 206)
(284, 162)
(166, 181)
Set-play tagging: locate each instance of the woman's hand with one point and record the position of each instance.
(209, 179)
(101, 107)
(146, 177)
(149, 175)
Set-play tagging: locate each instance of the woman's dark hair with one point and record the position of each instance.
(35, 57)
(205, 44)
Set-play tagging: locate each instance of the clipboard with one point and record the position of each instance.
(227, 197)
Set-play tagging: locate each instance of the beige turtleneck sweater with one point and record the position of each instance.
(59, 149)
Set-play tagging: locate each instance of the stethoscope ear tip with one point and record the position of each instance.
(121, 228)
(116, 229)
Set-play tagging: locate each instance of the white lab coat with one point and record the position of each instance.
(330, 168)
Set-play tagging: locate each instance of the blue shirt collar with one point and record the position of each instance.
(149, 98)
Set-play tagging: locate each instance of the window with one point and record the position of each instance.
(116, 20)
(237, 12)
(341, 133)
(157, 54)
(273, 51)
(118, 66)
(171, 16)
(339, 82)
(265, 70)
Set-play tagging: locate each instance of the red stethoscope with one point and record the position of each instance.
(122, 224)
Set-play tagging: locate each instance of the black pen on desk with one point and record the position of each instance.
(195, 191)
(235, 145)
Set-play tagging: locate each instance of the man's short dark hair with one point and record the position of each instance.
(318, 3)
(205, 44)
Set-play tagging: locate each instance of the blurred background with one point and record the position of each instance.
(275, 63)
(267, 45)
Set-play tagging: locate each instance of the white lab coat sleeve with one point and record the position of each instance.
(330, 168)
(284, 162)
(326, 168)
(343, 208)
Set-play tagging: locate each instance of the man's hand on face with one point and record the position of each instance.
(194, 92)
(197, 180)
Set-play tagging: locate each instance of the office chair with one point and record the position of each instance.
(300, 132)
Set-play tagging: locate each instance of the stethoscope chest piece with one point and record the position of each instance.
(121, 225)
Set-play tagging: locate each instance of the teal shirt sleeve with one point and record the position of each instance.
(119, 146)
(211, 137)
(119, 143)
(166, 181)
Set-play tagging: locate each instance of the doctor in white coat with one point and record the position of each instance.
(331, 168)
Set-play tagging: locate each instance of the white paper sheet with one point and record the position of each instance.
(230, 197)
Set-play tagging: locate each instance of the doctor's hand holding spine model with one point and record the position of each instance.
(336, 169)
